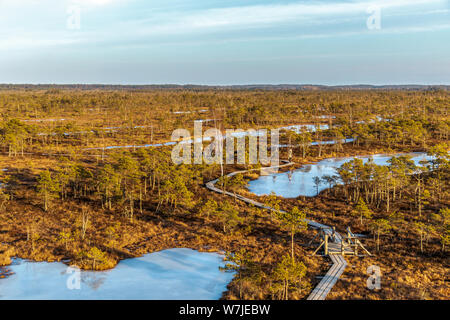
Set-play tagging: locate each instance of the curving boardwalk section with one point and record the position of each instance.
(324, 287)
(339, 263)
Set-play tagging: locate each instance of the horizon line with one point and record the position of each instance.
(226, 85)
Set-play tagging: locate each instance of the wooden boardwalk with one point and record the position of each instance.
(321, 291)
(324, 287)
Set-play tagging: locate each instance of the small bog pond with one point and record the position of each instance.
(172, 274)
(300, 181)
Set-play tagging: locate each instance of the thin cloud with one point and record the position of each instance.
(95, 3)
(85, 2)
(244, 16)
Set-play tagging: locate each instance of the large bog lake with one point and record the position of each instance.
(173, 274)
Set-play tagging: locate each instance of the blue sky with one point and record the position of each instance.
(225, 42)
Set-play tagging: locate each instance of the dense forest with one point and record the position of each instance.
(84, 179)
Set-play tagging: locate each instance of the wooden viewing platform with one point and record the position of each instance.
(336, 245)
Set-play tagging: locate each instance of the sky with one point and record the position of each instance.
(224, 42)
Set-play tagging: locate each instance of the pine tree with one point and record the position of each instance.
(47, 187)
(380, 227)
(97, 256)
(291, 274)
(229, 217)
(362, 211)
(294, 221)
